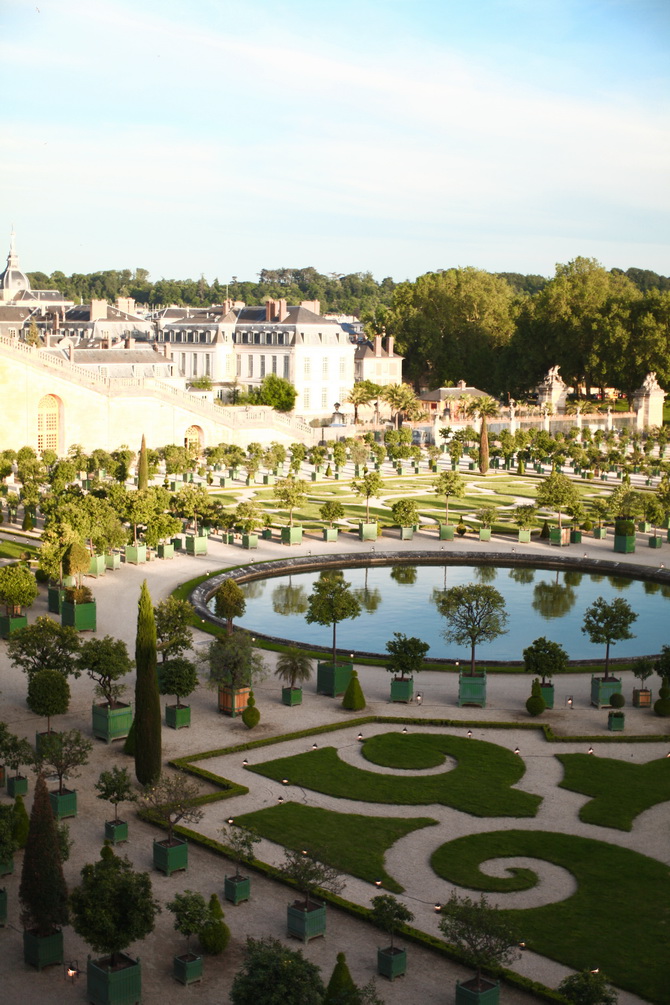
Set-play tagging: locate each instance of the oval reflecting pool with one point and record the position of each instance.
(401, 598)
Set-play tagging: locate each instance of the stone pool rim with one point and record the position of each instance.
(274, 568)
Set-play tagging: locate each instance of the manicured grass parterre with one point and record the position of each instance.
(480, 783)
(349, 842)
(619, 790)
(17, 549)
(618, 919)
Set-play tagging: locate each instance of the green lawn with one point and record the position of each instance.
(480, 783)
(17, 549)
(619, 790)
(349, 842)
(618, 919)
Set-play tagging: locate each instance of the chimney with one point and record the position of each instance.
(129, 342)
(390, 342)
(378, 345)
(125, 304)
(109, 341)
(282, 311)
(70, 353)
(461, 385)
(98, 310)
(311, 305)
(269, 310)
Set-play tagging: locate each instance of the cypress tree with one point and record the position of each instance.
(43, 893)
(147, 700)
(143, 467)
(21, 822)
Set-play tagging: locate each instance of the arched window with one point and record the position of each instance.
(193, 438)
(48, 411)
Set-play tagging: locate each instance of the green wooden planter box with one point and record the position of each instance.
(472, 690)
(575, 537)
(42, 950)
(63, 804)
(196, 544)
(230, 539)
(644, 526)
(6, 866)
(269, 479)
(330, 533)
(237, 889)
(402, 690)
(11, 623)
(291, 696)
(306, 924)
(136, 554)
(602, 690)
(524, 536)
(250, 541)
(55, 598)
(406, 533)
(166, 550)
(559, 536)
(391, 962)
(187, 969)
(114, 987)
(113, 561)
(17, 785)
(267, 534)
(171, 858)
(291, 535)
(3, 906)
(484, 533)
(600, 533)
(548, 694)
(111, 723)
(367, 532)
(116, 831)
(624, 543)
(616, 722)
(447, 531)
(655, 542)
(642, 697)
(487, 994)
(333, 679)
(83, 617)
(97, 566)
(177, 543)
(177, 716)
(225, 482)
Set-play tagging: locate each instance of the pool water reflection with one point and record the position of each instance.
(401, 598)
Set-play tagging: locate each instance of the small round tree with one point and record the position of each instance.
(116, 787)
(214, 935)
(113, 906)
(18, 589)
(474, 613)
(48, 694)
(332, 601)
(177, 677)
(608, 623)
(405, 513)
(191, 914)
(588, 988)
(240, 844)
(268, 963)
(229, 603)
(481, 932)
(251, 715)
(331, 510)
(106, 661)
(63, 753)
(406, 655)
(309, 874)
(171, 800)
(545, 658)
(535, 705)
(388, 913)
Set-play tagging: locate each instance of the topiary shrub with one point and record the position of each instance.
(341, 987)
(662, 706)
(354, 699)
(617, 701)
(329, 472)
(461, 529)
(215, 935)
(78, 595)
(587, 526)
(251, 716)
(544, 533)
(535, 705)
(20, 823)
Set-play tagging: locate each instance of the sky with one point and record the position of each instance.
(397, 137)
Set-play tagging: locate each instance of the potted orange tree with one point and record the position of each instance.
(388, 913)
(406, 658)
(116, 787)
(240, 843)
(106, 661)
(171, 800)
(191, 915)
(18, 589)
(474, 613)
(306, 918)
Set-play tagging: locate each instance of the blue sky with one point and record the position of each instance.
(219, 137)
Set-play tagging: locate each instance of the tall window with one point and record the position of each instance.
(343, 366)
(193, 438)
(47, 423)
(285, 367)
(239, 366)
(250, 365)
(195, 364)
(262, 366)
(324, 398)
(324, 367)
(274, 364)
(307, 368)
(306, 398)
(208, 364)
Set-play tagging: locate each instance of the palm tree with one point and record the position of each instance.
(483, 408)
(400, 397)
(360, 394)
(294, 665)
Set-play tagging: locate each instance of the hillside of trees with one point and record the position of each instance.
(500, 332)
